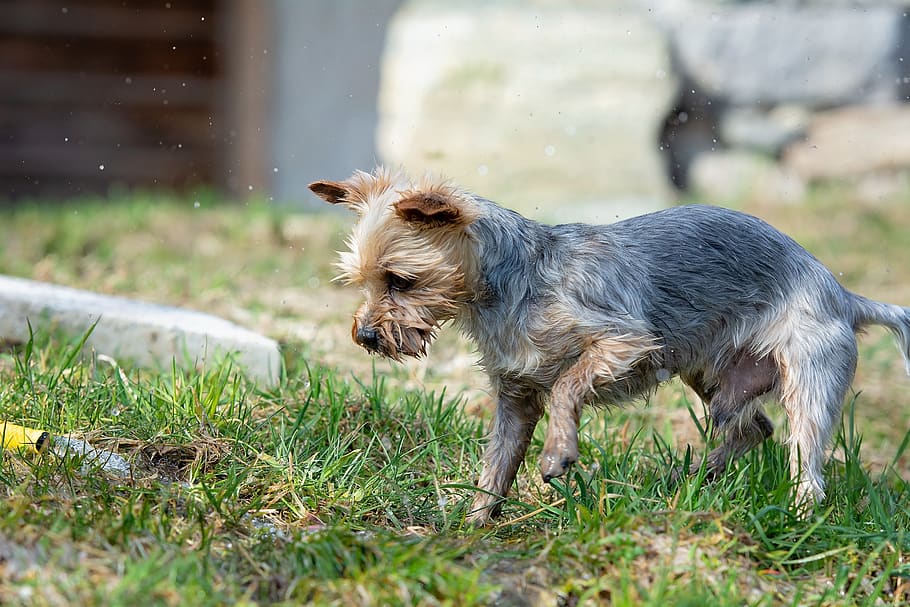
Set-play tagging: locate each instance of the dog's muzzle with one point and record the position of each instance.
(368, 337)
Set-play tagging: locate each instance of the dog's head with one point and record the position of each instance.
(410, 253)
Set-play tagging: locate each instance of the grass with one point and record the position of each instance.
(348, 483)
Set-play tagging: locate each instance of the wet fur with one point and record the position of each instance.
(576, 314)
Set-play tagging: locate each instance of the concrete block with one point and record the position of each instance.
(853, 141)
(148, 334)
(549, 111)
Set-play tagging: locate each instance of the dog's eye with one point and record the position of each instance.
(398, 282)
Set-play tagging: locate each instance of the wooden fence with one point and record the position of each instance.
(143, 93)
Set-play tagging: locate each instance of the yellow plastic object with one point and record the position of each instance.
(14, 436)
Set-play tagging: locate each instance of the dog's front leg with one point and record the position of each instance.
(560, 450)
(517, 413)
(605, 361)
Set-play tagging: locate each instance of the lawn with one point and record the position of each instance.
(348, 483)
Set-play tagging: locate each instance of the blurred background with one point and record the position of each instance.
(582, 109)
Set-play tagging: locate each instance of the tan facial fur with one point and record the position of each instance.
(408, 253)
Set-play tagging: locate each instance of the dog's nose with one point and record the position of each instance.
(368, 337)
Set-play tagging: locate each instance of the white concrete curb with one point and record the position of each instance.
(148, 334)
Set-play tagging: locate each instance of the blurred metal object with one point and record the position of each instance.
(32, 440)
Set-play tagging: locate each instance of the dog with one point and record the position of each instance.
(576, 314)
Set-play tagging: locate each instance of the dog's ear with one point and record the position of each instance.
(332, 192)
(430, 209)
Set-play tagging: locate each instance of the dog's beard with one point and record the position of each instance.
(397, 327)
(397, 340)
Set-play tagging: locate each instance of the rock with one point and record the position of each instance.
(530, 106)
(738, 175)
(852, 141)
(766, 132)
(145, 333)
(766, 54)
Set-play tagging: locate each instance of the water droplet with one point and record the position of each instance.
(196, 204)
(100, 167)
(550, 150)
(274, 169)
(482, 169)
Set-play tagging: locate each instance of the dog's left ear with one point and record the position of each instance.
(332, 192)
(430, 209)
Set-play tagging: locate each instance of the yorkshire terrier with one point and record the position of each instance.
(576, 314)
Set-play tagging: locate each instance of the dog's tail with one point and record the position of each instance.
(896, 318)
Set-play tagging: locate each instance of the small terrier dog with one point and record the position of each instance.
(577, 314)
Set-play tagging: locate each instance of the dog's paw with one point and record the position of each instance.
(555, 464)
(715, 464)
(484, 509)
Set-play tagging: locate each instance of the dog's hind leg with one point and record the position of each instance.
(517, 413)
(741, 436)
(735, 410)
(816, 364)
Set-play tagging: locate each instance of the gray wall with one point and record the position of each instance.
(323, 114)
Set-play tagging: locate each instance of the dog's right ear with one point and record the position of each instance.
(332, 192)
(428, 209)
